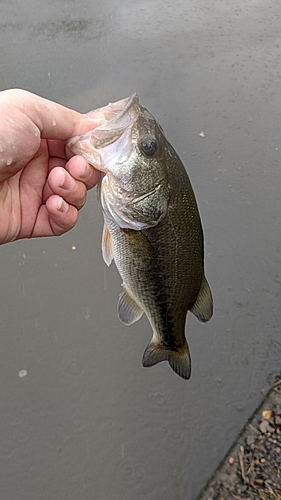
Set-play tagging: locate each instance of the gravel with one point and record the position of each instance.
(252, 468)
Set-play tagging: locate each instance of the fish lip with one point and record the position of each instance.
(119, 110)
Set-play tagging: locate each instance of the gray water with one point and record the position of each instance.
(87, 421)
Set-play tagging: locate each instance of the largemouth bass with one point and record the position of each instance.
(152, 228)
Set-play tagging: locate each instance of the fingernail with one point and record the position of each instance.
(65, 181)
(62, 206)
(96, 116)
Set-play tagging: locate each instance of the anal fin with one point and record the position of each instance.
(203, 306)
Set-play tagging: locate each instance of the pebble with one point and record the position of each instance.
(250, 439)
(264, 426)
(267, 414)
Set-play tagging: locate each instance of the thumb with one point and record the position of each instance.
(26, 119)
(53, 120)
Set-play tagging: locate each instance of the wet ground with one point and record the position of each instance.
(80, 417)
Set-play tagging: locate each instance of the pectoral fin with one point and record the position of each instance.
(203, 306)
(106, 246)
(179, 360)
(128, 310)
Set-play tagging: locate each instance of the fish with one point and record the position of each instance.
(152, 228)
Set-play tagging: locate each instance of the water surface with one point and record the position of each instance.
(81, 418)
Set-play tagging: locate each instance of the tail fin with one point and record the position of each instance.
(179, 359)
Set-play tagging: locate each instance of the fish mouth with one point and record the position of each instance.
(120, 117)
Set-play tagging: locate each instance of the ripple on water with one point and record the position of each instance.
(70, 372)
(160, 404)
(79, 424)
(133, 472)
(174, 433)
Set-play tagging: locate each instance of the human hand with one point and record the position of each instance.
(41, 187)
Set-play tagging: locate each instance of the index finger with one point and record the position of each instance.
(56, 148)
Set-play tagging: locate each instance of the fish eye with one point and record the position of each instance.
(148, 146)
